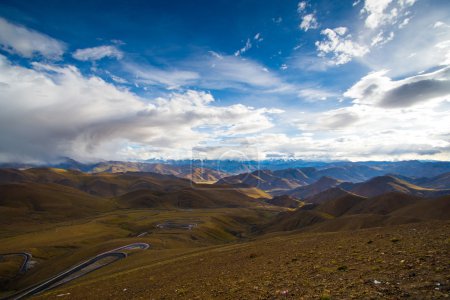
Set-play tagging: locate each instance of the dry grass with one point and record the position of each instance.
(58, 246)
(363, 264)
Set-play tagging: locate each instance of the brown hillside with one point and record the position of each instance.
(438, 209)
(385, 184)
(355, 212)
(384, 204)
(339, 206)
(308, 191)
(292, 220)
(187, 198)
(32, 201)
(327, 195)
(285, 201)
(104, 185)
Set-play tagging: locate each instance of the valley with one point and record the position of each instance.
(323, 237)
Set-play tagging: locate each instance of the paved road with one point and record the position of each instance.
(26, 258)
(84, 268)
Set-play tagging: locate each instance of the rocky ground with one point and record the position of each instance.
(400, 262)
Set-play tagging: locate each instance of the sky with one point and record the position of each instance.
(135, 80)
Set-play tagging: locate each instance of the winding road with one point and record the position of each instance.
(26, 258)
(95, 263)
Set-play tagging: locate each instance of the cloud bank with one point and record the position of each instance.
(59, 112)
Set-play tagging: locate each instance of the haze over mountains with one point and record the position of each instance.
(300, 169)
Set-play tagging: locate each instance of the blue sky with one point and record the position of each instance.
(133, 80)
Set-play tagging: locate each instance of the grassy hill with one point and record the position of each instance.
(203, 231)
(308, 191)
(384, 184)
(28, 202)
(398, 262)
(351, 212)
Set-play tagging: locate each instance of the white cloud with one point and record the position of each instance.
(440, 24)
(361, 133)
(59, 112)
(309, 21)
(375, 10)
(235, 72)
(381, 39)
(382, 12)
(169, 78)
(444, 48)
(301, 6)
(247, 46)
(421, 37)
(382, 21)
(97, 53)
(215, 54)
(213, 71)
(378, 89)
(365, 132)
(27, 42)
(337, 119)
(313, 94)
(258, 37)
(119, 79)
(340, 45)
(404, 23)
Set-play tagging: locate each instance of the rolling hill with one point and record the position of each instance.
(37, 202)
(183, 171)
(305, 192)
(103, 184)
(351, 212)
(56, 194)
(63, 217)
(384, 184)
(187, 198)
(263, 179)
(441, 181)
(327, 195)
(341, 205)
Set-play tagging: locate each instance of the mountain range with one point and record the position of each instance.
(350, 212)
(213, 170)
(65, 216)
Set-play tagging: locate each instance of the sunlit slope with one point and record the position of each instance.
(106, 185)
(187, 198)
(384, 184)
(293, 266)
(57, 246)
(183, 171)
(129, 190)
